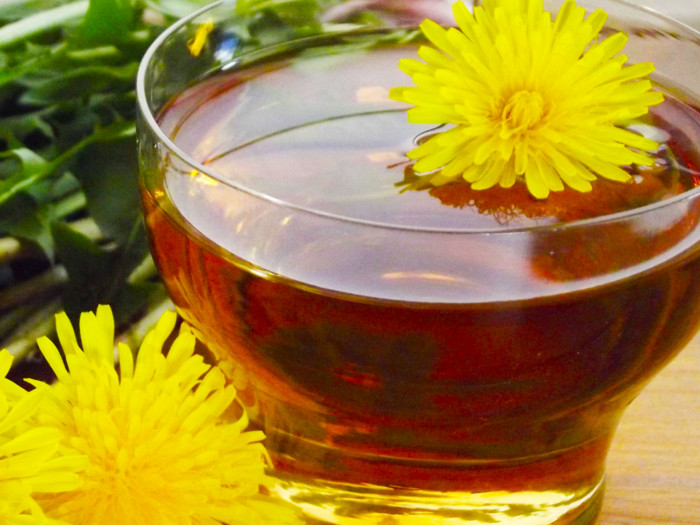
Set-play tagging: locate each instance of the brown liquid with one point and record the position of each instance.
(513, 383)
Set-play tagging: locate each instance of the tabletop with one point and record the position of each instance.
(653, 471)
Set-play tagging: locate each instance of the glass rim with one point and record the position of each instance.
(149, 118)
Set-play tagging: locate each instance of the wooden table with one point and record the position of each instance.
(654, 464)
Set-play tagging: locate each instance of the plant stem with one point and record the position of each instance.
(41, 22)
(44, 284)
(134, 335)
(145, 271)
(10, 320)
(69, 204)
(39, 323)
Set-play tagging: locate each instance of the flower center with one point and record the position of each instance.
(523, 110)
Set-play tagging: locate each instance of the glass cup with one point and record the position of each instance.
(405, 369)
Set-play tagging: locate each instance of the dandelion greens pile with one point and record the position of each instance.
(71, 235)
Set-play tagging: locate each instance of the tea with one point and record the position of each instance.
(434, 353)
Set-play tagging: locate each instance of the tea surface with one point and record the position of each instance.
(320, 135)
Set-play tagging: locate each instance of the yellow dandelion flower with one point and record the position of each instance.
(529, 98)
(29, 459)
(159, 436)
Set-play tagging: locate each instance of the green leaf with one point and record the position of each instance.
(297, 13)
(273, 21)
(80, 83)
(67, 72)
(177, 8)
(99, 274)
(108, 21)
(28, 215)
(133, 298)
(25, 218)
(31, 168)
(21, 127)
(29, 160)
(35, 168)
(86, 263)
(108, 172)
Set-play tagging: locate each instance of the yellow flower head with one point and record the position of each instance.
(29, 459)
(161, 444)
(528, 98)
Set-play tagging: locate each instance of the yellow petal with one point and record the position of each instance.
(507, 49)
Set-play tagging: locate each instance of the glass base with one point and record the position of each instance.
(338, 504)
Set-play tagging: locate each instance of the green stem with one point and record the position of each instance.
(39, 323)
(145, 271)
(113, 131)
(41, 22)
(134, 335)
(10, 320)
(69, 204)
(44, 284)
(93, 53)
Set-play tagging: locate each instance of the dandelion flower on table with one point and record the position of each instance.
(160, 446)
(528, 98)
(29, 459)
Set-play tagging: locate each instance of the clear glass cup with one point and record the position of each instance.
(404, 370)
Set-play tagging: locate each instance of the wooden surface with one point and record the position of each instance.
(653, 472)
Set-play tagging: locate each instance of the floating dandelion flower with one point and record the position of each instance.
(528, 98)
(157, 434)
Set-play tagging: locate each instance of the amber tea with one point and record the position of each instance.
(439, 355)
